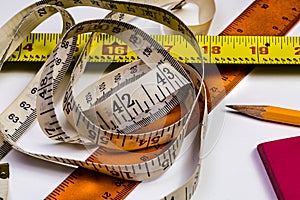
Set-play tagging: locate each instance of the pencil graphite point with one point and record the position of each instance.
(230, 106)
(250, 110)
(237, 107)
(269, 113)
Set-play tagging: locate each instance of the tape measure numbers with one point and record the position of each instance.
(264, 18)
(109, 114)
(216, 49)
(231, 76)
(177, 194)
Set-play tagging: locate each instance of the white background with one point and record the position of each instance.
(231, 171)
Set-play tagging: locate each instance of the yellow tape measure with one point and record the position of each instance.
(215, 49)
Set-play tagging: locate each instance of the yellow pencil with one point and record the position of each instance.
(270, 113)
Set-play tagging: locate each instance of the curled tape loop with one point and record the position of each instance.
(146, 106)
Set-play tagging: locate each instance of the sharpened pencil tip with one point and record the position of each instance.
(239, 107)
(230, 106)
(254, 111)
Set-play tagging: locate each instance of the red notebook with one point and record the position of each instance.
(281, 159)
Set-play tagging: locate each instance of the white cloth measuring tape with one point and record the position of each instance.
(113, 112)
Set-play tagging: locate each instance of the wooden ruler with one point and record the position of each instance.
(82, 184)
(262, 17)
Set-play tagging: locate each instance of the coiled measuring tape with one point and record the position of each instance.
(118, 112)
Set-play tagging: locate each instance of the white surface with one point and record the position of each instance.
(232, 171)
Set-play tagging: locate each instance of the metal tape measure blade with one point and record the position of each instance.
(216, 49)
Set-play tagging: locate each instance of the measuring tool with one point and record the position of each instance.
(262, 17)
(108, 116)
(211, 89)
(216, 49)
(277, 14)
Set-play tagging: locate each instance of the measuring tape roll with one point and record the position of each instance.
(96, 134)
(175, 85)
(206, 9)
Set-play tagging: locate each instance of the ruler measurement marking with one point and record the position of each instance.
(258, 58)
(44, 87)
(121, 173)
(102, 119)
(148, 95)
(58, 134)
(173, 131)
(133, 169)
(202, 41)
(124, 139)
(125, 107)
(21, 130)
(182, 82)
(50, 96)
(47, 111)
(147, 169)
